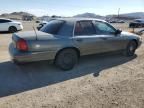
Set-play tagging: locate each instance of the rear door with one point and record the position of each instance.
(1, 25)
(4, 25)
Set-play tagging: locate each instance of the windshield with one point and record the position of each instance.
(52, 27)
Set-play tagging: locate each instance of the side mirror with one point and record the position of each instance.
(118, 31)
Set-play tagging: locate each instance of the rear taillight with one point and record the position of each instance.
(21, 45)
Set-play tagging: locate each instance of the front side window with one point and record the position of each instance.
(4, 21)
(104, 28)
(84, 28)
(52, 27)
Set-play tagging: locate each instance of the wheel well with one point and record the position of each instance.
(12, 26)
(76, 49)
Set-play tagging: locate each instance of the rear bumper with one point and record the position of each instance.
(30, 56)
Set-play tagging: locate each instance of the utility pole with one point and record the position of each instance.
(118, 13)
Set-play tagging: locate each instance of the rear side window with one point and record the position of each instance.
(4, 21)
(84, 28)
(52, 27)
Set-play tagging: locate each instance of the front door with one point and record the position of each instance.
(111, 40)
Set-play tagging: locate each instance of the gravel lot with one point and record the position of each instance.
(99, 81)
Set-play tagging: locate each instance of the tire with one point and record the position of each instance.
(12, 29)
(66, 59)
(18, 63)
(130, 50)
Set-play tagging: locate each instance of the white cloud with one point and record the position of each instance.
(50, 12)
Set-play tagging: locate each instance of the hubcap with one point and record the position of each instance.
(13, 30)
(67, 59)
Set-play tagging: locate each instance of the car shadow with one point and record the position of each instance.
(5, 33)
(16, 79)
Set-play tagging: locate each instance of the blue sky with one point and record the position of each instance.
(71, 7)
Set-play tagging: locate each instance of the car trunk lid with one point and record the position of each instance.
(32, 40)
(33, 35)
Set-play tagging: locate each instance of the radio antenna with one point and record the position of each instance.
(35, 33)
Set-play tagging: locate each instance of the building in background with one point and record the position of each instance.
(27, 17)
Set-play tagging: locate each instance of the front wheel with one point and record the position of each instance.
(12, 29)
(66, 59)
(131, 47)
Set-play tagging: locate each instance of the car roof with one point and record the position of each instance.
(80, 19)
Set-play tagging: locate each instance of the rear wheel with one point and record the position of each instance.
(131, 47)
(66, 59)
(17, 62)
(12, 29)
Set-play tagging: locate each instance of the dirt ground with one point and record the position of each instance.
(99, 81)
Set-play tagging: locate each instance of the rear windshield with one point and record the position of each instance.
(52, 27)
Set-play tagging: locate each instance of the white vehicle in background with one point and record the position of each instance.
(10, 25)
(42, 24)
